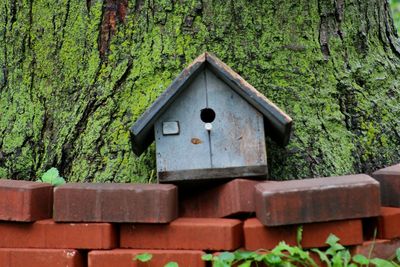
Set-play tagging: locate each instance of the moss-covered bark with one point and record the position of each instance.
(75, 75)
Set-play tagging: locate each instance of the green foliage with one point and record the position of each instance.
(335, 255)
(143, 257)
(398, 254)
(284, 255)
(146, 257)
(53, 177)
(395, 4)
(299, 235)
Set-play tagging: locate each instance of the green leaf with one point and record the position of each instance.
(334, 248)
(337, 261)
(398, 254)
(280, 247)
(259, 257)
(346, 256)
(244, 255)
(299, 235)
(171, 264)
(360, 259)
(53, 177)
(227, 257)
(219, 263)
(272, 259)
(144, 257)
(207, 257)
(323, 257)
(332, 240)
(382, 263)
(298, 252)
(246, 264)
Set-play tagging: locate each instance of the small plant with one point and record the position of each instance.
(284, 255)
(146, 257)
(52, 176)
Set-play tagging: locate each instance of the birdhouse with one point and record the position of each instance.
(210, 124)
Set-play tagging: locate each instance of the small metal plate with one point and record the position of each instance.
(170, 128)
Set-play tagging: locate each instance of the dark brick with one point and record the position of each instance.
(123, 258)
(25, 201)
(380, 248)
(147, 203)
(389, 178)
(19, 257)
(233, 198)
(184, 233)
(258, 236)
(317, 200)
(48, 234)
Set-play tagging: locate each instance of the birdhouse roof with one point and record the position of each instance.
(277, 123)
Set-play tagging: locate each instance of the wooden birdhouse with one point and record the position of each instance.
(210, 123)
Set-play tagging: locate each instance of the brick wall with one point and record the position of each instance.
(98, 225)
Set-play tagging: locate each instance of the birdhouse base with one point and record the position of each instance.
(212, 173)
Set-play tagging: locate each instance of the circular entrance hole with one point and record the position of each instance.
(207, 115)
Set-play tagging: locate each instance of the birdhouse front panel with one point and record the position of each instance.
(209, 130)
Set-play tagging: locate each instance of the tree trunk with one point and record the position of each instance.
(75, 75)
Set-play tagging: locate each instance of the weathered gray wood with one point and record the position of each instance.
(235, 140)
(237, 137)
(190, 149)
(213, 173)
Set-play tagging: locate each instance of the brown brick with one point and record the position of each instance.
(184, 233)
(233, 198)
(380, 248)
(317, 200)
(18, 257)
(147, 203)
(48, 234)
(124, 258)
(25, 201)
(389, 223)
(389, 179)
(257, 236)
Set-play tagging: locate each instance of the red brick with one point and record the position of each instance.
(48, 234)
(257, 236)
(388, 223)
(124, 258)
(233, 198)
(317, 200)
(25, 201)
(389, 179)
(147, 203)
(184, 233)
(383, 249)
(12, 257)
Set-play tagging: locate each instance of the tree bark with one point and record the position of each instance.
(75, 75)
